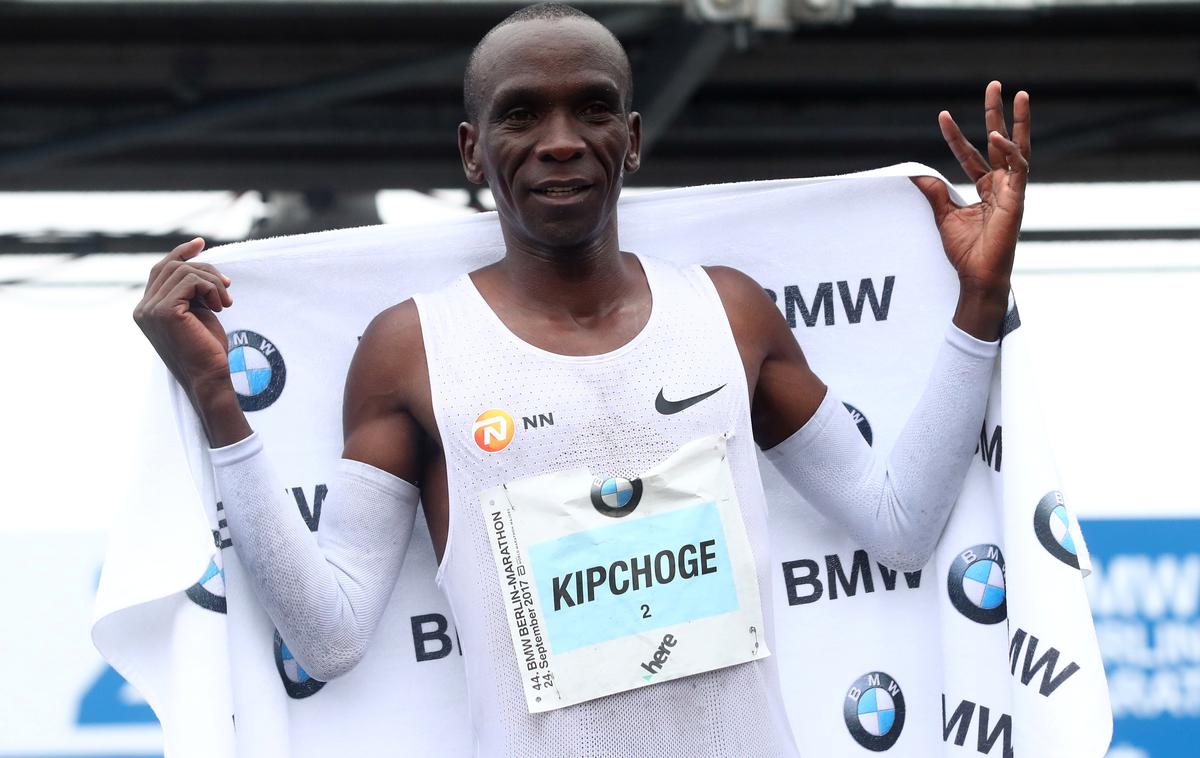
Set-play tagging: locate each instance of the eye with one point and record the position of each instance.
(597, 109)
(519, 116)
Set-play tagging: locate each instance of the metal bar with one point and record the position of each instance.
(305, 96)
(1109, 235)
(93, 244)
(1106, 135)
(301, 97)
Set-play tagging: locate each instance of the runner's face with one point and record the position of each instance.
(553, 140)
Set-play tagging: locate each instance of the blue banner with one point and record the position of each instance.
(1145, 593)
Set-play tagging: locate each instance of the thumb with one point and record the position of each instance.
(937, 193)
(189, 249)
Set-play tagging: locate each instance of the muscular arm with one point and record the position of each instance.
(327, 594)
(386, 374)
(898, 506)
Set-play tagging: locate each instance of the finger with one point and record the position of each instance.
(195, 291)
(160, 274)
(179, 269)
(201, 305)
(181, 252)
(214, 298)
(1013, 160)
(1018, 171)
(1021, 123)
(171, 292)
(993, 118)
(219, 298)
(186, 251)
(971, 160)
(225, 280)
(210, 321)
(164, 294)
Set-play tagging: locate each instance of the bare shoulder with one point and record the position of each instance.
(749, 308)
(784, 392)
(390, 358)
(397, 326)
(386, 404)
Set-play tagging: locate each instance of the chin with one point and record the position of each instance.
(566, 240)
(565, 233)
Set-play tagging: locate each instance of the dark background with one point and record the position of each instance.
(354, 97)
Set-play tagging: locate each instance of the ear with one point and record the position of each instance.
(633, 158)
(468, 150)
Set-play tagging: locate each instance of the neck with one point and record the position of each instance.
(583, 280)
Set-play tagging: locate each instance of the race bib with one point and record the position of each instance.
(612, 584)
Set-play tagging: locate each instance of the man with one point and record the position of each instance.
(642, 362)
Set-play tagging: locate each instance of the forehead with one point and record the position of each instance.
(530, 54)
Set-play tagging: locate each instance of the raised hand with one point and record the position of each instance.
(176, 314)
(981, 239)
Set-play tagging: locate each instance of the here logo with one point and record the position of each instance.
(659, 659)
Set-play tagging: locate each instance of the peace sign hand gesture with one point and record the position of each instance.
(981, 239)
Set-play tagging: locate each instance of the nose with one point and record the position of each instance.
(560, 140)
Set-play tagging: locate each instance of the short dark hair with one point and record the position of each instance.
(552, 11)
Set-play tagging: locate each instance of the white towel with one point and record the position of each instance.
(989, 650)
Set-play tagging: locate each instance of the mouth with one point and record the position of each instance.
(561, 190)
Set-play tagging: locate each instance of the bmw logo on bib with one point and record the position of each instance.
(874, 711)
(1052, 525)
(296, 681)
(976, 584)
(616, 497)
(256, 370)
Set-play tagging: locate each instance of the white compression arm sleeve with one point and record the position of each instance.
(325, 593)
(897, 507)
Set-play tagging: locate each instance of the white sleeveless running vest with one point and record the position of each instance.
(596, 411)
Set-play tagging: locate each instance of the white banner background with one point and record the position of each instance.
(820, 243)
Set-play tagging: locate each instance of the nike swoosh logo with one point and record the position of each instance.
(667, 407)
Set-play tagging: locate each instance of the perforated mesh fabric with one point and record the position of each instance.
(604, 418)
(896, 507)
(325, 595)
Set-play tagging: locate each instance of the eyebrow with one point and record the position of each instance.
(507, 97)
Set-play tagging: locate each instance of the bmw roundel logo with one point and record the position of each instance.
(864, 426)
(209, 592)
(256, 368)
(616, 497)
(1052, 525)
(874, 711)
(976, 584)
(296, 681)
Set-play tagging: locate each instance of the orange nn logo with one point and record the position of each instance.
(493, 430)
